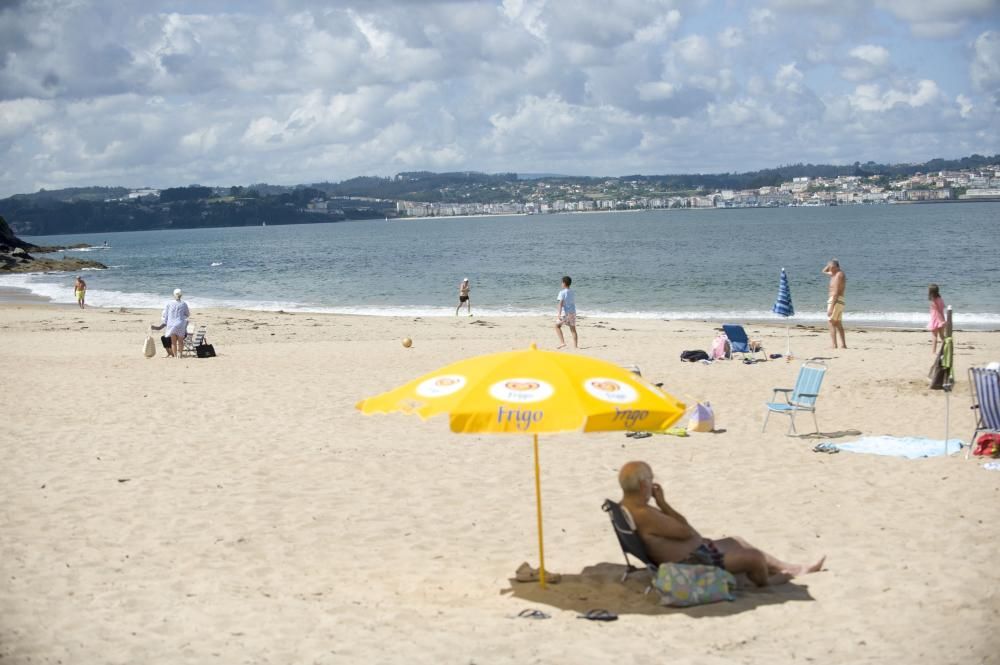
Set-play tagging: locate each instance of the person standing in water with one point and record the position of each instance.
(936, 325)
(835, 301)
(81, 292)
(463, 296)
(566, 314)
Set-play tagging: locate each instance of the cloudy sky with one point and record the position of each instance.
(162, 93)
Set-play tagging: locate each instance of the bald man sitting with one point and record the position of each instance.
(669, 538)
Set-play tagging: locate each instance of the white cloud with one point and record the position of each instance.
(985, 67)
(695, 51)
(18, 115)
(660, 28)
(731, 38)
(871, 97)
(965, 105)
(877, 56)
(154, 93)
(655, 90)
(789, 78)
(866, 62)
(762, 21)
(939, 18)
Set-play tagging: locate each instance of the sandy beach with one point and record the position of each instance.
(240, 510)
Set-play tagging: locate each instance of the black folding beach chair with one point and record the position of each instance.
(628, 538)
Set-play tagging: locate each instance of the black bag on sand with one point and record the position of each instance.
(693, 356)
(205, 350)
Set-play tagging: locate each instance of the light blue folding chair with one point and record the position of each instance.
(739, 342)
(986, 393)
(800, 398)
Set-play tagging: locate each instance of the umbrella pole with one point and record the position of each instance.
(788, 340)
(947, 412)
(538, 504)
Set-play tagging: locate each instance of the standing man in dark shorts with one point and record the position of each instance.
(463, 296)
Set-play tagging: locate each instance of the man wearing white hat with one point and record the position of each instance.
(175, 320)
(463, 296)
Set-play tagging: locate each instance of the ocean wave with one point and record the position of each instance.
(62, 292)
(80, 249)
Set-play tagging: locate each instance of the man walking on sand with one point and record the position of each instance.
(566, 314)
(835, 301)
(80, 289)
(463, 296)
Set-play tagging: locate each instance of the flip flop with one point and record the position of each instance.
(642, 435)
(599, 615)
(532, 614)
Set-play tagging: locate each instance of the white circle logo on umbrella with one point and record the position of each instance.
(441, 386)
(521, 390)
(610, 390)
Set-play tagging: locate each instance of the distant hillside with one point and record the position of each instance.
(103, 209)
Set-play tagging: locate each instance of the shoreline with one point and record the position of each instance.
(18, 298)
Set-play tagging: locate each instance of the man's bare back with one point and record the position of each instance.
(652, 523)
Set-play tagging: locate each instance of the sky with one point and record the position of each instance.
(167, 93)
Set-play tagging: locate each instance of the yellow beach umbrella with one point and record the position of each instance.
(533, 392)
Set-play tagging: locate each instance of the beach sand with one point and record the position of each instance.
(239, 510)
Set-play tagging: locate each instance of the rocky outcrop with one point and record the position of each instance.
(14, 256)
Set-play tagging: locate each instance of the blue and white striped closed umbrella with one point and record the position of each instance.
(783, 305)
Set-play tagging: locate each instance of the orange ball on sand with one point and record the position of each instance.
(407, 342)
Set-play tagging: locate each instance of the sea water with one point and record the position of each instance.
(662, 264)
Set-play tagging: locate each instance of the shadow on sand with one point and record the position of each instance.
(600, 587)
(829, 435)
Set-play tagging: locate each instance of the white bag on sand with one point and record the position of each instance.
(149, 348)
(702, 418)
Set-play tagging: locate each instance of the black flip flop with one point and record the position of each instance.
(532, 614)
(599, 615)
(642, 435)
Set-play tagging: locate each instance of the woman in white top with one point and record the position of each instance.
(175, 320)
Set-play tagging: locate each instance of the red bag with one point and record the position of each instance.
(987, 445)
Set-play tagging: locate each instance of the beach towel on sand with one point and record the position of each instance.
(684, 585)
(911, 447)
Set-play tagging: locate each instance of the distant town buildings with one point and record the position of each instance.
(803, 191)
(566, 195)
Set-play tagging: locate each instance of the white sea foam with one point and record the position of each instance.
(62, 292)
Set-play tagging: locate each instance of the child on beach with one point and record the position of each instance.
(936, 325)
(566, 314)
(80, 288)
